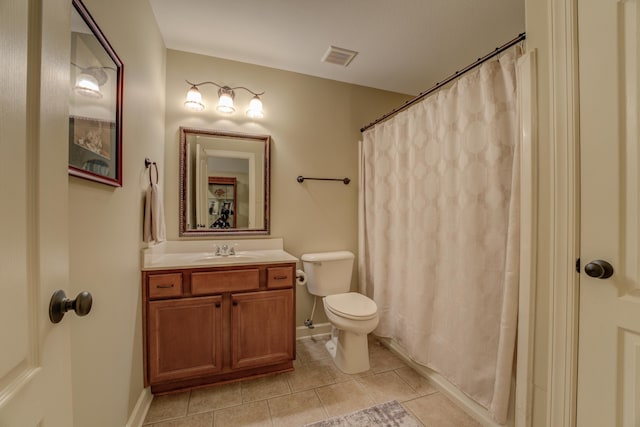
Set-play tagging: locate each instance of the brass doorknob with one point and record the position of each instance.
(60, 304)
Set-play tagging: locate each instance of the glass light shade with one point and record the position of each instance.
(194, 100)
(255, 108)
(225, 103)
(87, 85)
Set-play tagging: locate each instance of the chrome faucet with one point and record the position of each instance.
(225, 250)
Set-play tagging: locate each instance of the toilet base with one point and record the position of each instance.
(332, 346)
(349, 351)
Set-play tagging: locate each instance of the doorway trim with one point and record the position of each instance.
(527, 107)
(565, 223)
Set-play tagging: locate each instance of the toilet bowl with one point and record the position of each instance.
(352, 315)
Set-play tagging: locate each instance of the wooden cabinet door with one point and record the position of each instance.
(261, 328)
(185, 338)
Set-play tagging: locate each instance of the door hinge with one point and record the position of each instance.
(578, 265)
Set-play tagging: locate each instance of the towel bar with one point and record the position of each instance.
(346, 181)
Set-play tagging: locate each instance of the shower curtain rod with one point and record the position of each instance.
(453, 76)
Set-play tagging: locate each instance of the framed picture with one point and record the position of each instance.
(95, 109)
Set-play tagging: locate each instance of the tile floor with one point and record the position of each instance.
(316, 390)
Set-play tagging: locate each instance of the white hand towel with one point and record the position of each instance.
(154, 226)
(157, 207)
(146, 230)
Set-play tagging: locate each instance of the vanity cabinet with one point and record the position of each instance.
(217, 324)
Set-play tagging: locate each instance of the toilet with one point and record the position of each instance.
(353, 315)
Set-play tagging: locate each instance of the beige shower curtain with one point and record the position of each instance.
(439, 231)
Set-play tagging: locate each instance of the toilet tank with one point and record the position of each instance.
(328, 273)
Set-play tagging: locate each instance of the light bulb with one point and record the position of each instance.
(194, 100)
(225, 103)
(255, 108)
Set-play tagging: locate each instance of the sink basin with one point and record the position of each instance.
(238, 257)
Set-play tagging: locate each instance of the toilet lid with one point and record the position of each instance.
(351, 305)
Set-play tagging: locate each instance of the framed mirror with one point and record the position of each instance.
(95, 102)
(224, 183)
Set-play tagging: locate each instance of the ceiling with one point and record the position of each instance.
(404, 46)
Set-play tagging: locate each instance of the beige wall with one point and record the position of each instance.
(105, 228)
(314, 124)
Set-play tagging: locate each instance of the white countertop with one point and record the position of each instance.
(201, 253)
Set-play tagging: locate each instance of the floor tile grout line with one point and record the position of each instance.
(324, 409)
(415, 390)
(370, 392)
(270, 413)
(406, 408)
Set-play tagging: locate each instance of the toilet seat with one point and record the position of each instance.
(351, 305)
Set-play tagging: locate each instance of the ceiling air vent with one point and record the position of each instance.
(339, 56)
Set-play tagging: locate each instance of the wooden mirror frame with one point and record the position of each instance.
(183, 230)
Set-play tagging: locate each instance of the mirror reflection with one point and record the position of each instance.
(95, 102)
(224, 183)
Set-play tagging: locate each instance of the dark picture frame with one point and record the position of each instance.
(95, 110)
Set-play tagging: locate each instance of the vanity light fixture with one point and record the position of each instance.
(226, 96)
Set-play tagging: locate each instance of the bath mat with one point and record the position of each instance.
(388, 414)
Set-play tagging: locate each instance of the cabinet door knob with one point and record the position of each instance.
(60, 304)
(235, 303)
(217, 305)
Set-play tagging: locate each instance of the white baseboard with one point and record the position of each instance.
(474, 410)
(319, 329)
(140, 410)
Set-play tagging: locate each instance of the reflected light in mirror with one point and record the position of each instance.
(87, 85)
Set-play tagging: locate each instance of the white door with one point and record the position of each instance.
(609, 335)
(35, 380)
